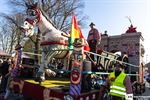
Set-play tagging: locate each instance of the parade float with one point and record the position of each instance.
(74, 81)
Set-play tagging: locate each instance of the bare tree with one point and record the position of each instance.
(4, 37)
(10, 33)
(7, 37)
(59, 11)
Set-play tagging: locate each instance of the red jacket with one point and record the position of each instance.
(94, 34)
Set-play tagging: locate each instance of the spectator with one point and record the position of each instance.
(147, 77)
(1, 62)
(5, 70)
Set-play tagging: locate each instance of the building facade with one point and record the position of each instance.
(130, 43)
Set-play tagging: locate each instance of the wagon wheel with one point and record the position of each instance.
(126, 67)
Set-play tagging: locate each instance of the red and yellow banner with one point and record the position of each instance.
(75, 32)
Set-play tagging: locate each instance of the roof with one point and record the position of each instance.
(2, 53)
(23, 55)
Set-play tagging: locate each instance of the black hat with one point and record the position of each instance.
(92, 24)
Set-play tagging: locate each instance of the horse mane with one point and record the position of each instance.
(45, 15)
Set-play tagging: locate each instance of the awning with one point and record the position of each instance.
(2, 53)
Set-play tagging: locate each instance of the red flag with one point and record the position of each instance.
(86, 46)
(76, 33)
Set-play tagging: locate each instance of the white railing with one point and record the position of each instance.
(142, 97)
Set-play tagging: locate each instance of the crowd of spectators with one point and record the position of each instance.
(5, 67)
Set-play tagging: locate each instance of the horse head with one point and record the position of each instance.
(33, 17)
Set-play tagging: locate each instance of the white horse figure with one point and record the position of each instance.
(52, 41)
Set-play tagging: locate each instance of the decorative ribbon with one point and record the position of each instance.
(15, 71)
(52, 43)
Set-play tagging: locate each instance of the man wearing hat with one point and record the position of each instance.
(93, 41)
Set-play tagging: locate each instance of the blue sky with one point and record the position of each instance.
(4, 6)
(111, 15)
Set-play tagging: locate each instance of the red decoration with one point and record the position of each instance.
(131, 29)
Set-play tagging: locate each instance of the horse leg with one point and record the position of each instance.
(40, 76)
(49, 57)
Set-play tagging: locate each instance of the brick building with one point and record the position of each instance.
(130, 43)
